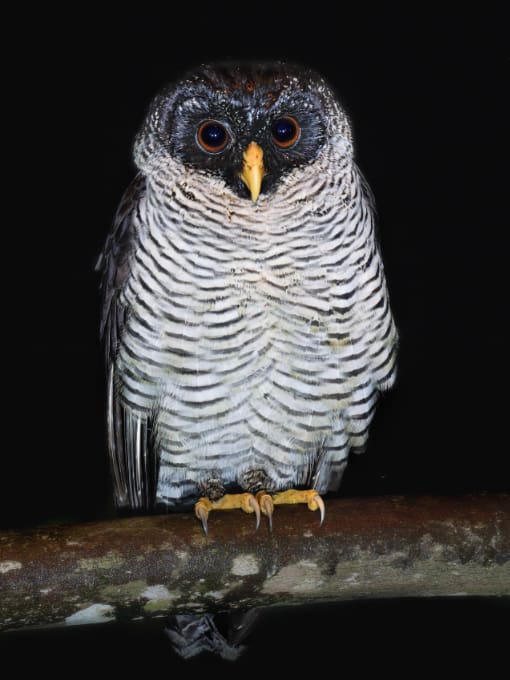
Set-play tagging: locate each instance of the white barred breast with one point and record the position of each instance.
(258, 335)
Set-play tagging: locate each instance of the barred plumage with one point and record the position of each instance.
(247, 342)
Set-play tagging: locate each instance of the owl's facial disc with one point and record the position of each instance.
(253, 169)
(249, 125)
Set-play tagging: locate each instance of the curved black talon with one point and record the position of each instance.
(267, 506)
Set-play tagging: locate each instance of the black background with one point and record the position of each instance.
(428, 97)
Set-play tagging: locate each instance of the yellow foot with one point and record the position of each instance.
(245, 501)
(308, 496)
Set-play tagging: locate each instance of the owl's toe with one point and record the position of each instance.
(245, 501)
(308, 496)
(266, 505)
(290, 497)
(202, 508)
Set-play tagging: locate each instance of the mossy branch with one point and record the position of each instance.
(144, 567)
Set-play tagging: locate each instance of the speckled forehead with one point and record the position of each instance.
(248, 94)
(251, 92)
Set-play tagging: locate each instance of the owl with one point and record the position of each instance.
(246, 317)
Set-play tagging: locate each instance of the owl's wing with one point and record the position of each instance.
(367, 192)
(114, 266)
(386, 335)
(134, 470)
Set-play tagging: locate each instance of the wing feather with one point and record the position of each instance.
(134, 467)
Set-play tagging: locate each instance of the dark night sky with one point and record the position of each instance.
(428, 98)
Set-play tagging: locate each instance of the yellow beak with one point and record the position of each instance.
(253, 169)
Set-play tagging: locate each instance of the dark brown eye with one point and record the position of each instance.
(286, 132)
(212, 136)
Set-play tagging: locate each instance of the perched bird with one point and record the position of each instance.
(245, 311)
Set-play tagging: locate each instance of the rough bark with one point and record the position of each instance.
(145, 567)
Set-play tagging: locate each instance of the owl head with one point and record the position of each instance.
(249, 125)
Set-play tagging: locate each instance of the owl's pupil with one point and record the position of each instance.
(284, 130)
(214, 135)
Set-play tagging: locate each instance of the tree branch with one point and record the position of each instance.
(144, 567)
